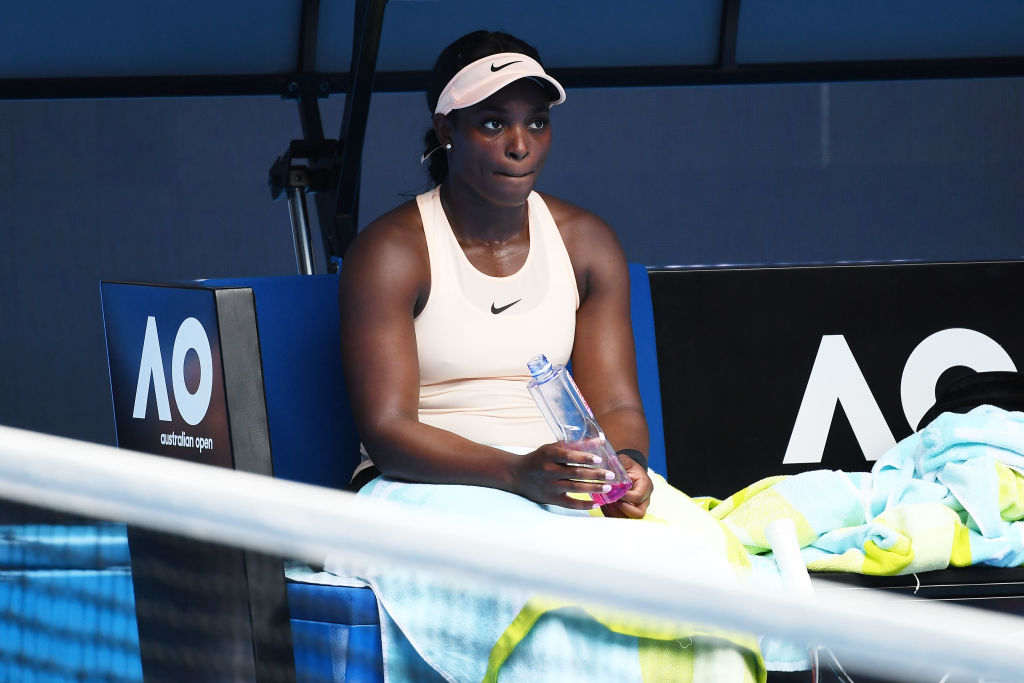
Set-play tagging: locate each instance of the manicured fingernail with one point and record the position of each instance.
(596, 460)
(606, 488)
(595, 506)
(609, 475)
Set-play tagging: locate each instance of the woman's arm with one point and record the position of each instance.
(384, 282)
(603, 356)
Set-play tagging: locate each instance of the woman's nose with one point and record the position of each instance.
(517, 147)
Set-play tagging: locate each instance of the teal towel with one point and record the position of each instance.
(436, 629)
(952, 494)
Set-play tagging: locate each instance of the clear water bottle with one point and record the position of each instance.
(573, 423)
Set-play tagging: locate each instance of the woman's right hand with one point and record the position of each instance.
(550, 473)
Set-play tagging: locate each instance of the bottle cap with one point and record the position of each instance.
(539, 365)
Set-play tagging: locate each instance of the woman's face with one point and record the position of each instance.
(500, 144)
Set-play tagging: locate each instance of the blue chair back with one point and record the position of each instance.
(642, 314)
(312, 437)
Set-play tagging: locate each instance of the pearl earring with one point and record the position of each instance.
(426, 156)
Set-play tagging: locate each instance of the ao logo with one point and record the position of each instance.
(836, 378)
(191, 406)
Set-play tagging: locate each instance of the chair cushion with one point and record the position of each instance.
(336, 652)
(332, 604)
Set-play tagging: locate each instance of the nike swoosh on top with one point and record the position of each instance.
(496, 310)
(499, 68)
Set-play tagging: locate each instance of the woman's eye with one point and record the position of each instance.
(539, 124)
(492, 124)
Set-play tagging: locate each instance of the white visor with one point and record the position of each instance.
(484, 77)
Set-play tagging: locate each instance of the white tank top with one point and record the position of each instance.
(477, 332)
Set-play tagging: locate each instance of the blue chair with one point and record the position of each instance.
(336, 630)
(68, 606)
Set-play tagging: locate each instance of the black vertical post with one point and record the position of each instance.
(727, 34)
(369, 18)
(309, 93)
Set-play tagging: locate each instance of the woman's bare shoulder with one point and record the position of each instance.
(397, 234)
(567, 212)
(390, 250)
(576, 223)
(401, 224)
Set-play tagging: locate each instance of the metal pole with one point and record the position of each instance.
(299, 214)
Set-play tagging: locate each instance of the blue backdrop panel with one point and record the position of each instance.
(927, 170)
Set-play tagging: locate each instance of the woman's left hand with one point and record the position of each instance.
(638, 497)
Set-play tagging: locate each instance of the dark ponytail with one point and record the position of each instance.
(462, 52)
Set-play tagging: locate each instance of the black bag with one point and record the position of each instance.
(965, 392)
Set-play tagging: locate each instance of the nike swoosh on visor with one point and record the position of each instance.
(499, 68)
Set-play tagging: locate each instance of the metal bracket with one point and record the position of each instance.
(293, 180)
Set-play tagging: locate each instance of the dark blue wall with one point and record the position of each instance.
(177, 189)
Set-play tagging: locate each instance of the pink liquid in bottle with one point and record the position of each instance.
(609, 461)
(618, 491)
